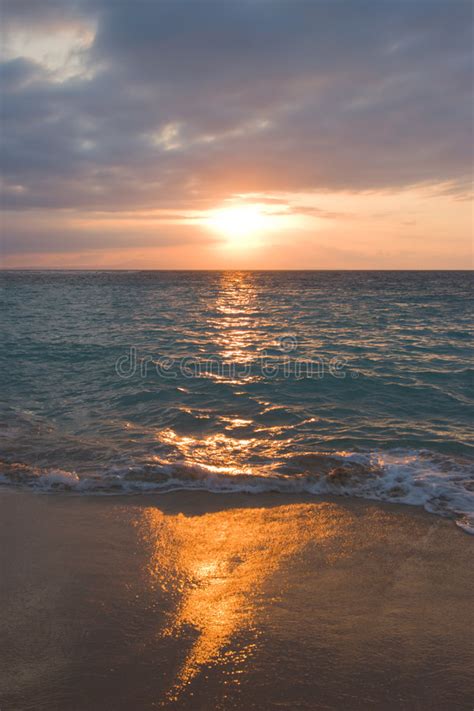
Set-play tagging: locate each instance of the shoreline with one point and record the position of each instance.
(157, 497)
(188, 600)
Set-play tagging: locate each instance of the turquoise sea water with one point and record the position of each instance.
(351, 383)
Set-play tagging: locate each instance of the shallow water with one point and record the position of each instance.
(355, 383)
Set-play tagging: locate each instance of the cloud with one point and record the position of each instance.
(182, 104)
(37, 232)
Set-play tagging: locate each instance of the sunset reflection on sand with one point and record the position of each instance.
(215, 566)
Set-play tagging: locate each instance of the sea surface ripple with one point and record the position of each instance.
(351, 383)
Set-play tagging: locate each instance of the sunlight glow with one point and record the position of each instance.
(241, 224)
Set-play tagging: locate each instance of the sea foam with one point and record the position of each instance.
(442, 485)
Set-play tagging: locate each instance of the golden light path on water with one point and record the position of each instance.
(235, 342)
(216, 566)
(236, 305)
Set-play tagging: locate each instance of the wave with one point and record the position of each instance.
(442, 485)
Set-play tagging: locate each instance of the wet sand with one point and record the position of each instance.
(201, 601)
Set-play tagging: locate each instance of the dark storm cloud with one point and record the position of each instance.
(189, 102)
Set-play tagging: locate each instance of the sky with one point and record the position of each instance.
(249, 134)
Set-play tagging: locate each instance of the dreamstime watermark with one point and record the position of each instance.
(284, 365)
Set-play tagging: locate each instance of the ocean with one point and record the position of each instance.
(351, 383)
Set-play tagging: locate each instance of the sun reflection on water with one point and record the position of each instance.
(217, 452)
(215, 567)
(237, 307)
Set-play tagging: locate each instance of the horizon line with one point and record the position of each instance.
(226, 269)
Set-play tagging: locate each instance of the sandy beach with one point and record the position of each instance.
(201, 601)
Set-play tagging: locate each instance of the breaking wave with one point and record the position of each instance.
(442, 485)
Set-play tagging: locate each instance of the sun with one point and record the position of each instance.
(240, 224)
